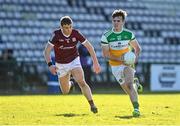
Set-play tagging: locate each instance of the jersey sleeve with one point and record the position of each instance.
(104, 40)
(52, 40)
(80, 37)
(133, 36)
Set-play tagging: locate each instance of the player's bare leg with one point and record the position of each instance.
(136, 82)
(78, 75)
(137, 85)
(130, 90)
(65, 84)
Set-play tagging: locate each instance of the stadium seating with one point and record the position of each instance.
(26, 25)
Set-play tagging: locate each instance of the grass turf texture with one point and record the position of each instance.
(114, 109)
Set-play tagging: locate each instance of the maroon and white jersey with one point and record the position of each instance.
(65, 46)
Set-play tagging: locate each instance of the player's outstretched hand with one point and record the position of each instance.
(52, 69)
(96, 68)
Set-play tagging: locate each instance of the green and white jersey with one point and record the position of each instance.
(118, 43)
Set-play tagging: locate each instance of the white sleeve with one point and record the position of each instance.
(133, 36)
(50, 43)
(84, 42)
(104, 40)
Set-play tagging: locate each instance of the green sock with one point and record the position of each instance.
(136, 105)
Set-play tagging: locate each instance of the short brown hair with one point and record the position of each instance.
(119, 13)
(65, 20)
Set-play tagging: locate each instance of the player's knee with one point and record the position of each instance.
(81, 82)
(82, 85)
(128, 82)
(128, 75)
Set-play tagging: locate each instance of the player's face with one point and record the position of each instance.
(67, 29)
(117, 23)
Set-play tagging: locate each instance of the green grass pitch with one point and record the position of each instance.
(114, 109)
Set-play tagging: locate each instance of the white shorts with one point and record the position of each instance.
(117, 71)
(64, 69)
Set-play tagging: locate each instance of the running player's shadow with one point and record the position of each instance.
(70, 115)
(124, 117)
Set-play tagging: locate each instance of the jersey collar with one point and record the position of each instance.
(64, 34)
(117, 32)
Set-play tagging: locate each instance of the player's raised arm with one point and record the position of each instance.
(90, 49)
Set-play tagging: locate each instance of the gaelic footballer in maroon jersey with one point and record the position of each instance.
(65, 46)
(64, 43)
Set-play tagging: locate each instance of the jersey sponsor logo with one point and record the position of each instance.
(118, 45)
(62, 47)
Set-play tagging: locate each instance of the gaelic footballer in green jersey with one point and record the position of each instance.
(115, 43)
